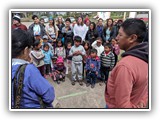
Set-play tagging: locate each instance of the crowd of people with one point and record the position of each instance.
(90, 50)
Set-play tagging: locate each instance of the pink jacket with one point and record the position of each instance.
(128, 84)
(116, 49)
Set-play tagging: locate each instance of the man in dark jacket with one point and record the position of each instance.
(36, 27)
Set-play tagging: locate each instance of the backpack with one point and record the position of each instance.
(18, 89)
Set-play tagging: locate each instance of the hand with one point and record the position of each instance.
(79, 53)
(54, 40)
(96, 73)
(75, 53)
(141, 105)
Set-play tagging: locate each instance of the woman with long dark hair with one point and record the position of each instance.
(52, 29)
(60, 25)
(107, 29)
(92, 33)
(80, 29)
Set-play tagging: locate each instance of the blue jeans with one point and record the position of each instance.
(91, 77)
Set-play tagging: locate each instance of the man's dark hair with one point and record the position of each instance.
(100, 19)
(36, 43)
(77, 39)
(135, 26)
(41, 19)
(34, 16)
(108, 45)
(68, 19)
(93, 51)
(20, 40)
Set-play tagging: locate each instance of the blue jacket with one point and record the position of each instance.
(34, 85)
(48, 56)
(93, 64)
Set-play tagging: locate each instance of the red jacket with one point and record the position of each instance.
(128, 83)
(21, 26)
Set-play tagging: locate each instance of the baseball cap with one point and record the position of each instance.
(45, 37)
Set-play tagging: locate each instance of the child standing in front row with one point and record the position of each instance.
(87, 48)
(92, 68)
(107, 62)
(68, 58)
(60, 50)
(47, 59)
(77, 52)
(37, 56)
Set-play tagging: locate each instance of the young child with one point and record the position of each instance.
(47, 59)
(68, 58)
(77, 52)
(98, 46)
(116, 49)
(59, 70)
(87, 48)
(107, 62)
(37, 56)
(37, 36)
(45, 40)
(60, 50)
(92, 68)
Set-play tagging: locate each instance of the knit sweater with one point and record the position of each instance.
(107, 60)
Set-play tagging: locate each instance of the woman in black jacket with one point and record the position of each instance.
(92, 33)
(60, 25)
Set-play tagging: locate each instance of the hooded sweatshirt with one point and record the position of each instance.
(127, 85)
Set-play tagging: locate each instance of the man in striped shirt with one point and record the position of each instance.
(107, 62)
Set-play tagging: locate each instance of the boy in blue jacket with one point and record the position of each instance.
(92, 68)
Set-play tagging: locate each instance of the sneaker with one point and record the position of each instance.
(93, 85)
(63, 80)
(101, 83)
(88, 84)
(73, 82)
(80, 83)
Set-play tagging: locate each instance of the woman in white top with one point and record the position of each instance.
(80, 29)
(51, 29)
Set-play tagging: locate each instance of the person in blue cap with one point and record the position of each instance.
(52, 30)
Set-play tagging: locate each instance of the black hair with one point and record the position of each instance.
(68, 19)
(59, 40)
(108, 45)
(53, 24)
(36, 43)
(106, 27)
(88, 43)
(100, 19)
(77, 39)
(45, 45)
(82, 21)
(41, 19)
(34, 16)
(135, 26)
(94, 25)
(93, 51)
(20, 40)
